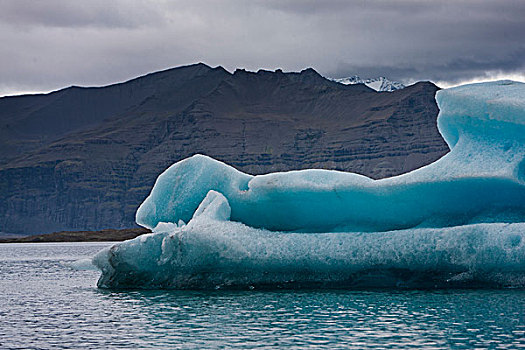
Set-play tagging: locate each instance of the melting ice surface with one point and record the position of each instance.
(457, 222)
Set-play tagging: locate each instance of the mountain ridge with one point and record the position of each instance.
(84, 159)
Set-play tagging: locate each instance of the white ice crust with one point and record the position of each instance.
(458, 220)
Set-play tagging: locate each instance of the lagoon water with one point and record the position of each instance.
(48, 305)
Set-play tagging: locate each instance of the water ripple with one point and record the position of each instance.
(47, 305)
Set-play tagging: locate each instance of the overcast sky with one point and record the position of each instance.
(47, 45)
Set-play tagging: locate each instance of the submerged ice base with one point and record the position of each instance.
(454, 222)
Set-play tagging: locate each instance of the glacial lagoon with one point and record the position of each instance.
(47, 304)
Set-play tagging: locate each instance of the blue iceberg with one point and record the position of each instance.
(457, 222)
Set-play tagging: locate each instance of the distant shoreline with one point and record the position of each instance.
(80, 236)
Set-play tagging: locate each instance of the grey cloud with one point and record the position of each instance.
(452, 70)
(65, 13)
(51, 44)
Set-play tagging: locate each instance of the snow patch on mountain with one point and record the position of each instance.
(380, 84)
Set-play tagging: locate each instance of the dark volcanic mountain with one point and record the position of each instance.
(85, 158)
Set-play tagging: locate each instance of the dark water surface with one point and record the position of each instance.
(48, 305)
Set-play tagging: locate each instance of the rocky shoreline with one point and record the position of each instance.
(80, 236)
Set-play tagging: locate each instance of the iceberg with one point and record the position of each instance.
(459, 221)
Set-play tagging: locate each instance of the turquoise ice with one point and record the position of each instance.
(458, 220)
(480, 180)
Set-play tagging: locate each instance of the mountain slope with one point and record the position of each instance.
(85, 158)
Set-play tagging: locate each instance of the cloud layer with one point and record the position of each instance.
(51, 44)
